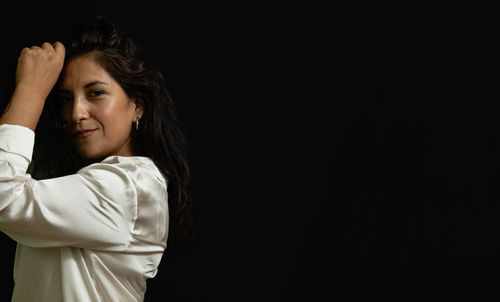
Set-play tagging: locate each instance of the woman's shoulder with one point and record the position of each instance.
(138, 166)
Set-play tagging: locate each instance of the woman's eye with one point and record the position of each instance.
(65, 99)
(96, 93)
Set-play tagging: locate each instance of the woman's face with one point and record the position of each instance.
(97, 111)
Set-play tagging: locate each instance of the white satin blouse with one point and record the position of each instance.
(97, 235)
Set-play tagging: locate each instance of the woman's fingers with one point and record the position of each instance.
(46, 45)
(59, 49)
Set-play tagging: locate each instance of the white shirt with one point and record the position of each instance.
(96, 235)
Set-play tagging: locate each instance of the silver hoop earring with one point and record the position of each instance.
(137, 125)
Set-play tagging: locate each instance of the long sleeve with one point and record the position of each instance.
(95, 208)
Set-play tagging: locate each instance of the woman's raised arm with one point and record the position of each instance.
(95, 208)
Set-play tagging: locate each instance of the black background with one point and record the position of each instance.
(337, 150)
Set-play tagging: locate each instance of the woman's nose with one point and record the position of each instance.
(79, 111)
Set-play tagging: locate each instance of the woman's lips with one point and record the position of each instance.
(84, 133)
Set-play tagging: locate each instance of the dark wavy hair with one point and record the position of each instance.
(160, 135)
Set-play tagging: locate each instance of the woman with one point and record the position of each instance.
(93, 226)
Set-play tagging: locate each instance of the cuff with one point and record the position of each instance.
(17, 139)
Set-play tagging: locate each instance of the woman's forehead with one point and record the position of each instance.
(82, 71)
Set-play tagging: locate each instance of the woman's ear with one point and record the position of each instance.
(139, 107)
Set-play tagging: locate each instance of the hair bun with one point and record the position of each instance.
(95, 32)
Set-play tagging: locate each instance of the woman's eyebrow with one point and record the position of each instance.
(61, 90)
(94, 83)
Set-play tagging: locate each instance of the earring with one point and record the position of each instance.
(137, 125)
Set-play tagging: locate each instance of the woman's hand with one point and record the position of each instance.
(37, 71)
(39, 67)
